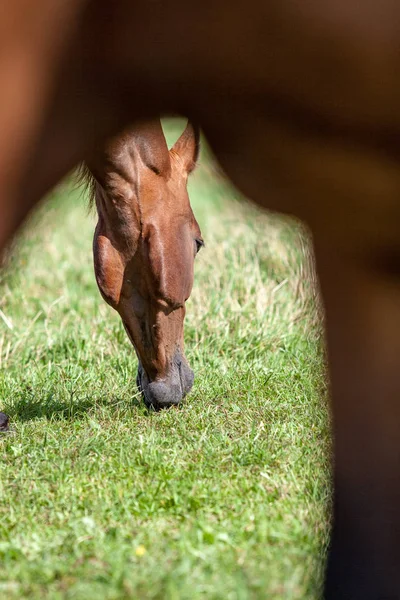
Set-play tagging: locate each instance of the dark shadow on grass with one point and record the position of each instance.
(27, 408)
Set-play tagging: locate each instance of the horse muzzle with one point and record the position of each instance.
(168, 390)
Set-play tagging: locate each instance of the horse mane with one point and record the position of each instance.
(86, 181)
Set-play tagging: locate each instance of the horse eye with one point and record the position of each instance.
(199, 244)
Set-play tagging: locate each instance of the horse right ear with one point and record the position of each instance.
(186, 149)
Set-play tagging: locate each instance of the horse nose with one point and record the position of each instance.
(168, 391)
(162, 394)
(186, 377)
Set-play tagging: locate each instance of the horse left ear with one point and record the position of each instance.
(187, 147)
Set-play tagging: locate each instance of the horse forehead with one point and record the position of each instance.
(164, 229)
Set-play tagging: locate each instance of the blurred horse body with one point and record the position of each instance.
(301, 104)
(144, 247)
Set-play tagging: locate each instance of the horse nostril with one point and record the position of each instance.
(186, 376)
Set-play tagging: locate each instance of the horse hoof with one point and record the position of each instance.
(4, 419)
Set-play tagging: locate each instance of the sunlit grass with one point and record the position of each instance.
(224, 498)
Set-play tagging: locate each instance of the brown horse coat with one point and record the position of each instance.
(301, 103)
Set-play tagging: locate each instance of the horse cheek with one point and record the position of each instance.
(109, 269)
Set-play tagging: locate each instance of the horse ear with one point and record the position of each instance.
(187, 147)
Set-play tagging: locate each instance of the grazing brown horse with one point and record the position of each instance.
(301, 104)
(144, 247)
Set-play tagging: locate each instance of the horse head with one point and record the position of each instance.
(145, 243)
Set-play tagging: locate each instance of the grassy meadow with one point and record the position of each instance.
(226, 497)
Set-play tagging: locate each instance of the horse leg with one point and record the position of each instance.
(362, 304)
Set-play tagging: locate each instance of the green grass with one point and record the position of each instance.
(226, 497)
